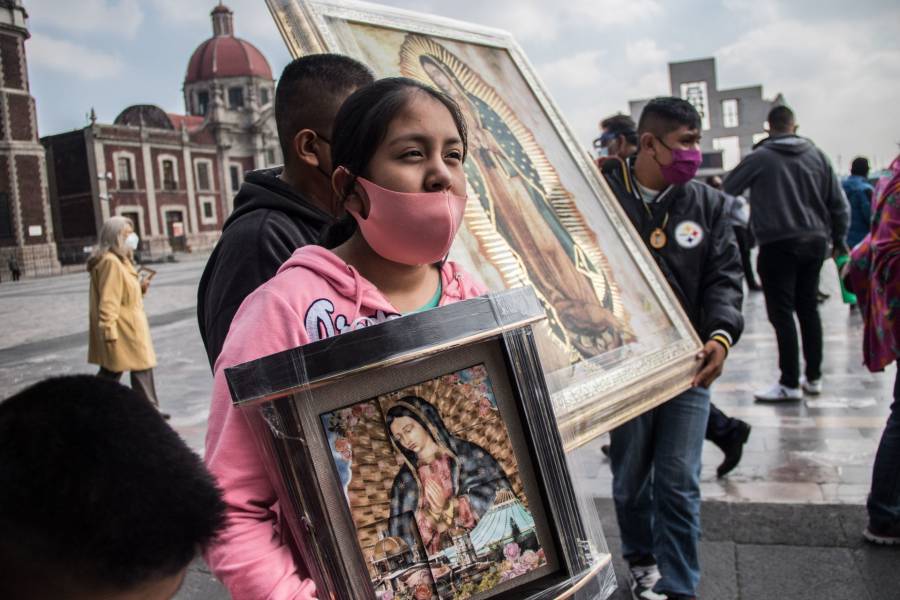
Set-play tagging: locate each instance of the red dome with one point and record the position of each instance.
(226, 56)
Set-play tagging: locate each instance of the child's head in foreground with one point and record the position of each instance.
(99, 497)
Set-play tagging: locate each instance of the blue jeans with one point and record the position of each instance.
(884, 497)
(655, 461)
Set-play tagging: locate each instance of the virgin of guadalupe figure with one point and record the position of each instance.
(520, 192)
(445, 482)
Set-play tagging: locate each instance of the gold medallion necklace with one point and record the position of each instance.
(658, 237)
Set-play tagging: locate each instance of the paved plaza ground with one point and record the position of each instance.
(784, 524)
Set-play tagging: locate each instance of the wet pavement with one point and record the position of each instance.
(44, 333)
(765, 551)
(818, 450)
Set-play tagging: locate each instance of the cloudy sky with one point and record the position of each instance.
(837, 63)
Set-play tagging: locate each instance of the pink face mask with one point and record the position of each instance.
(410, 229)
(683, 167)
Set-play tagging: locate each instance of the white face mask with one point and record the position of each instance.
(132, 240)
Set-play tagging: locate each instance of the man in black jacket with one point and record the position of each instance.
(797, 208)
(683, 224)
(279, 210)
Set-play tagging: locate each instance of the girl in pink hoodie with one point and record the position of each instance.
(398, 147)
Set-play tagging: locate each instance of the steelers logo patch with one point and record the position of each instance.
(688, 234)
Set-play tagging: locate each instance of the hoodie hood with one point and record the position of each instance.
(786, 144)
(793, 191)
(336, 288)
(264, 189)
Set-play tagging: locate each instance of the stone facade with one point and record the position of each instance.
(26, 226)
(733, 120)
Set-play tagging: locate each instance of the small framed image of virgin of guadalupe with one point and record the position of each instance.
(419, 458)
(146, 274)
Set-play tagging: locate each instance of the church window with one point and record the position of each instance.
(123, 173)
(6, 226)
(202, 102)
(235, 178)
(236, 97)
(203, 181)
(208, 210)
(730, 113)
(264, 96)
(168, 175)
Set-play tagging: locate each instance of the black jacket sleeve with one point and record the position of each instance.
(721, 284)
(247, 256)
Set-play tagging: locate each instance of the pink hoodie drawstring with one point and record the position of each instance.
(357, 285)
(452, 289)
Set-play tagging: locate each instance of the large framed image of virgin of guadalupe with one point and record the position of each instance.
(419, 459)
(615, 342)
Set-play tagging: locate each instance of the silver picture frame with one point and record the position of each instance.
(332, 512)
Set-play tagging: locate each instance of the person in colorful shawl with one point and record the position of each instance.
(873, 274)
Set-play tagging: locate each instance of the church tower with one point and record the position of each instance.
(26, 225)
(229, 83)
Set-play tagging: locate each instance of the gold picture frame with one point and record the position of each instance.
(616, 341)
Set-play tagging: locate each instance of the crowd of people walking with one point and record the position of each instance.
(798, 212)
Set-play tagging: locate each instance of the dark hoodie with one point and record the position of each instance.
(794, 192)
(270, 221)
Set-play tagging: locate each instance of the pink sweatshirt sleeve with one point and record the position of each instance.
(250, 557)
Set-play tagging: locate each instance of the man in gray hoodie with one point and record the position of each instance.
(797, 210)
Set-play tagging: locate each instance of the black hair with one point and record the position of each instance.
(399, 410)
(309, 92)
(666, 114)
(97, 490)
(361, 125)
(781, 118)
(621, 125)
(860, 166)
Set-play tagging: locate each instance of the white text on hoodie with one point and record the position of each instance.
(321, 322)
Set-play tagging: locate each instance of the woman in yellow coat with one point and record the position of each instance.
(119, 331)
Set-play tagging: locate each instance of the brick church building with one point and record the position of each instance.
(26, 224)
(174, 175)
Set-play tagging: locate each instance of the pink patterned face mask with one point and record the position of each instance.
(410, 228)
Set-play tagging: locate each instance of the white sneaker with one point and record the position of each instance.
(779, 393)
(642, 581)
(813, 387)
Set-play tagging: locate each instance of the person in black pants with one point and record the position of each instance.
(728, 433)
(871, 274)
(789, 270)
(13, 264)
(798, 207)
